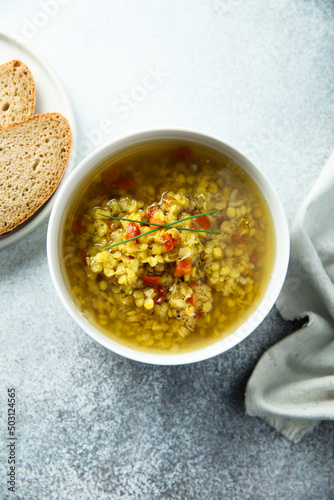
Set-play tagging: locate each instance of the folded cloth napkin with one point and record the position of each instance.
(292, 386)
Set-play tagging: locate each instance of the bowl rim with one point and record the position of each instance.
(280, 264)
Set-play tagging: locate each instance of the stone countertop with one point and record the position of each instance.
(258, 75)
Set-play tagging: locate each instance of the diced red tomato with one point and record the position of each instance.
(237, 239)
(169, 242)
(124, 182)
(253, 258)
(152, 281)
(114, 178)
(151, 211)
(168, 200)
(183, 267)
(111, 225)
(191, 300)
(102, 191)
(77, 224)
(110, 176)
(184, 153)
(132, 230)
(159, 299)
(193, 283)
(156, 221)
(204, 221)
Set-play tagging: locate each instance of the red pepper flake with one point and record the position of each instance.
(183, 267)
(193, 283)
(198, 314)
(132, 230)
(237, 239)
(253, 258)
(77, 224)
(152, 281)
(184, 154)
(169, 242)
(84, 256)
(191, 300)
(161, 289)
(142, 320)
(204, 221)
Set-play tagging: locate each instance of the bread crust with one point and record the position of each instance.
(17, 92)
(34, 154)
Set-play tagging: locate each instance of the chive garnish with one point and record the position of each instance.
(130, 239)
(170, 224)
(163, 225)
(193, 217)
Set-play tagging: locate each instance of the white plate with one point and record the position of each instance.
(50, 96)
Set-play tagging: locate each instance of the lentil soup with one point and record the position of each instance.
(171, 289)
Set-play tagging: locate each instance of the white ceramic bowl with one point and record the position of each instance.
(58, 273)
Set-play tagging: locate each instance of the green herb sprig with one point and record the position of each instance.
(160, 226)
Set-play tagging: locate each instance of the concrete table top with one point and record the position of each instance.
(90, 425)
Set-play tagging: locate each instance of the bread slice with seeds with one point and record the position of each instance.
(17, 92)
(33, 157)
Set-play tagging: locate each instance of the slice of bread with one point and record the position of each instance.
(33, 158)
(17, 92)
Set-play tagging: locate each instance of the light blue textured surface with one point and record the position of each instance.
(257, 74)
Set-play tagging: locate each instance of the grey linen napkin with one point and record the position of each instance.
(292, 385)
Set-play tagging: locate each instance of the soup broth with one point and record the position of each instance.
(159, 285)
